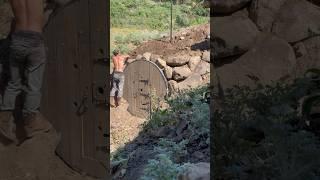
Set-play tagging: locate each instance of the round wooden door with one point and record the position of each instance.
(142, 79)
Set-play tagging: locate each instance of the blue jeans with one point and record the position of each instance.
(27, 65)
(117, 84)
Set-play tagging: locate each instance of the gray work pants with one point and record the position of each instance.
(117, 84)
(27, 64)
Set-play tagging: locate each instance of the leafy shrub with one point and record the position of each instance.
(162, 168)
(183, 20)
(176, 151)
(258, 133)
(123, 48)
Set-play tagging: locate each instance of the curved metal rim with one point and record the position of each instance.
(161, 72)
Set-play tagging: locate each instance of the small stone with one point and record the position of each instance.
(206, 56)
(168, 71)
(147, 55)
(154, 57)
(139, 57)
(181, 73)
(161, 63)
(173, 86)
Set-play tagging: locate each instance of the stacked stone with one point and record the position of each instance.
(265, 40)
(182, 71)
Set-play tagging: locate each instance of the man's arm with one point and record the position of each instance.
(125, 57)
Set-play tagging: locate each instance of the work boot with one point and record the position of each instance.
(119, 101)
(112, 103)
(35, 123)
(7, 126)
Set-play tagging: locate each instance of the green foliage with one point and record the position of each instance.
(162, 168)
(155, 15)
(118, 155)
(183, 20)
(191, 106)
(184, 105)
(176, 151)
(258, 133)
(122, 47)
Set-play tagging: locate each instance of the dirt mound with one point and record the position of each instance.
(35, 159)
(190, 40)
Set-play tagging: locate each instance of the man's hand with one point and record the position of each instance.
(126, 57)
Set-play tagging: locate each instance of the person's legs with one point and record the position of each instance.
(120, 88)
(34, 70)
(114, 90)
(18, 52)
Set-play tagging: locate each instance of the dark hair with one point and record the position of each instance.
(115, 52)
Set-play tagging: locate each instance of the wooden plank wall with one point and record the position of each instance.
(73, 38)
(134, 89)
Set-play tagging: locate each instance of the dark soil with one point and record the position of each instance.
(195, 39)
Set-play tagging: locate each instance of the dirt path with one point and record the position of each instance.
(123, 126)
(35, 159)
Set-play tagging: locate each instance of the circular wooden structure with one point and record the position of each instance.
(142, 78)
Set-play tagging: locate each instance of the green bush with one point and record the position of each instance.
(176, 151)
(259, 135)
(162, 168)
(183, 20)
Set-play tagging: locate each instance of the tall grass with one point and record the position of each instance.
(155, 15)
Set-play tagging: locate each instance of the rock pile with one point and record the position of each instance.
(182, 71)
(265, 40)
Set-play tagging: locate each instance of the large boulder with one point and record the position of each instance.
(199, 171)
(292, 20)
(232, 35)
(194, 61)
(308, 54)
(270, 59)
(181, 73)
(297, 20)
(264, 12)
(227, 6)
(177, 60)
(192, 81)
(202, 68)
